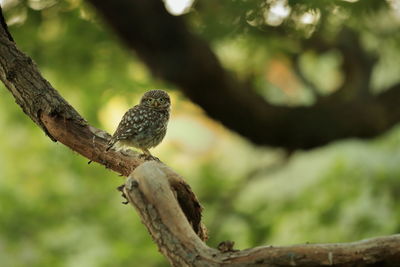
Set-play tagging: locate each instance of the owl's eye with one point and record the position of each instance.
(150, 100)
(161, 100)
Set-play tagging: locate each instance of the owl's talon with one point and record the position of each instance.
(148, 157)
(155, 158)
(126, 153)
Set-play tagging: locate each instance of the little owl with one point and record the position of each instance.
(143, 126)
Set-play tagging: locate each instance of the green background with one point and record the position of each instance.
(56, 210)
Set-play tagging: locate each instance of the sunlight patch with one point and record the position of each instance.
(178, 7)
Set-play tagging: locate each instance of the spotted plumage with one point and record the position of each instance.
(145, 125)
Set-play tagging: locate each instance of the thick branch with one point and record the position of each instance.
(149, 190)
(357, 66)
(59, 120)
(177, 55)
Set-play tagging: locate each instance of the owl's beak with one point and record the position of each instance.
(156, 103)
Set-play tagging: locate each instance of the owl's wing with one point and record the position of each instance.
(131, 124)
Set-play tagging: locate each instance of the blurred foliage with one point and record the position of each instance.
(56, 210)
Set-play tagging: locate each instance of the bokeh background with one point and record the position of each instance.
(56, 210)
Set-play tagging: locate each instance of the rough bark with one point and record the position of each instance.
(148, 189)
(174, 53)
(166, 204)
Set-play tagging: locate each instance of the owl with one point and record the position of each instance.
(143, 126)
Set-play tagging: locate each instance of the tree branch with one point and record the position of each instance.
(174, 53)
(4, 25)
(357, 66)
(58, 119)
(148, 189)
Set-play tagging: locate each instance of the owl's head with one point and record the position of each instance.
(157, 99)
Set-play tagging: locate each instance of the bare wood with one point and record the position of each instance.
(148, 189)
